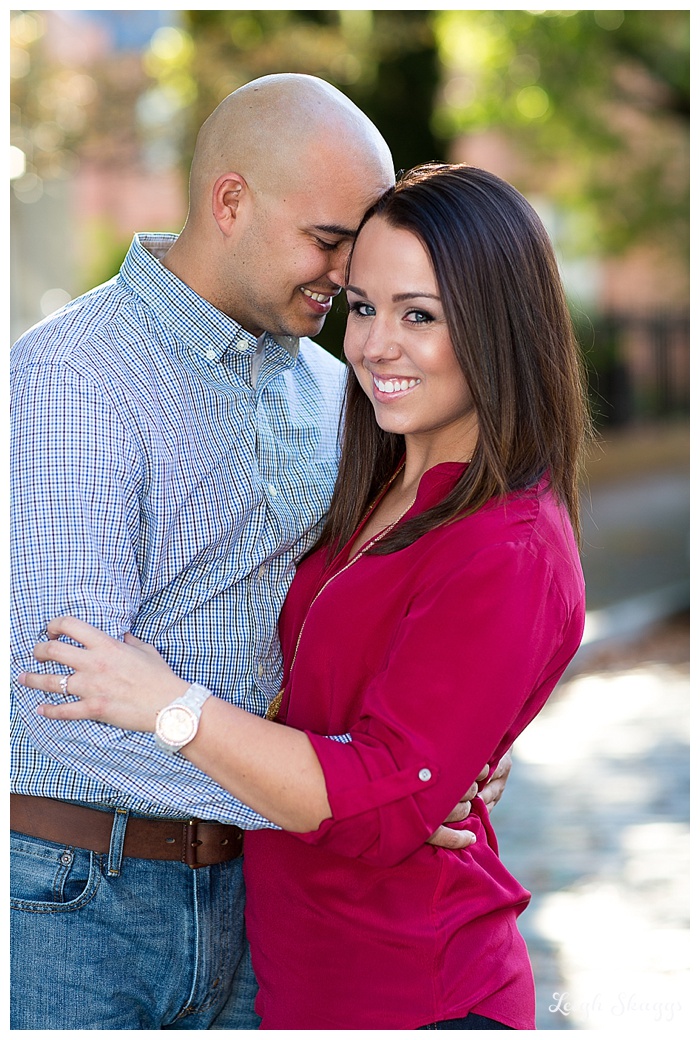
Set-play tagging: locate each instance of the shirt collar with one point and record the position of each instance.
(436, 484)
(194, 320)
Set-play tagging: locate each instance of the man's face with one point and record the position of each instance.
(289, 259)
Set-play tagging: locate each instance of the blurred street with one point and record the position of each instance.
(587, 113)
(595, 819)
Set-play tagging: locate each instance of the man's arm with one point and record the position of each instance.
(75, 516)
(77, 534)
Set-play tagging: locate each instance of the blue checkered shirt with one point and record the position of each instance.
(168, 469)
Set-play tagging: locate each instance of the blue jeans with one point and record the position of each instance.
(105, 942)
(470, 1021)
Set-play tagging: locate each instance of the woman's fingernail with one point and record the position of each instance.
(21, 677)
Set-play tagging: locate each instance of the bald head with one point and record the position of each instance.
(276, 129)
(283, 172)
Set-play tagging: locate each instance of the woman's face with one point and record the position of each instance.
(399, 347)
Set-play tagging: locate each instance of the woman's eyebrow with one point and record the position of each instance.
(397, 297)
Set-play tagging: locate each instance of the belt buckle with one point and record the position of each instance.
(192, 843)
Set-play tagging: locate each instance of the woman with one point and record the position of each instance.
(437, 612)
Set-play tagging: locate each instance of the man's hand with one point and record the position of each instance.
(493, 790)
(447, 838)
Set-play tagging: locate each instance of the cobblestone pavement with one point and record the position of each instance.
(595, 822)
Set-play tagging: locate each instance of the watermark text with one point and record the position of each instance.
(620, 1004)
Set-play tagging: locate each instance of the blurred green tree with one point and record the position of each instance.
(598, 103)
(386, 61)
(594, 104)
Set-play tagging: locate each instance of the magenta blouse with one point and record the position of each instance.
(433, 659)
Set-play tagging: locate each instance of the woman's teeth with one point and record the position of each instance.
(393, 386)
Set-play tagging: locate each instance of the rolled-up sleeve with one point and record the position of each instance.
(473, 660)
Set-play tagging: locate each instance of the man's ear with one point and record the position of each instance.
(229, 191)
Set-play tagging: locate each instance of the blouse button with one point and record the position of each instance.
(424, 774)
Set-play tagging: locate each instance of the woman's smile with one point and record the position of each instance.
(393, 386)
(399, 345)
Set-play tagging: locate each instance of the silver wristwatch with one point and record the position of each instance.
(177, 723)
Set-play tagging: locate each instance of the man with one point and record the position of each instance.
(175, 449)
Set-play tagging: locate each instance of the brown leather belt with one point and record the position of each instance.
(194, 842)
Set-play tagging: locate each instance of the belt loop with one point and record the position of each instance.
(116, 844)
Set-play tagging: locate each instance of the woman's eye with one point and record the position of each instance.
(419, 317)
(365, 310)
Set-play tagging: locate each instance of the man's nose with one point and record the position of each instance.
(339, 262)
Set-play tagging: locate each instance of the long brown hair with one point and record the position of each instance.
(511, 331)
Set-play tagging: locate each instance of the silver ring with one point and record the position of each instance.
(63, 683)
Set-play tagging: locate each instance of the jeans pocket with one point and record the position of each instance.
(49, 878)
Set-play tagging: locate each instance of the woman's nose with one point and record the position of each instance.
(380, 343)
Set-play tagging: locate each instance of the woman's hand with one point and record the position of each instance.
(122, 683)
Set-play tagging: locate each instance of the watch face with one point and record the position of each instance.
(177, 725)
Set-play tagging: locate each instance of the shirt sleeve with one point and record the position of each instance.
(76, 475)
(477, 653)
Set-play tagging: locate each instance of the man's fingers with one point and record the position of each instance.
(471, 793)
(492, 791)
(459, 813)
(446, 838)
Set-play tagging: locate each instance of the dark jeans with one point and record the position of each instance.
(471, 1021)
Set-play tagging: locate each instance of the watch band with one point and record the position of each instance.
(169, 733)
(194, 697)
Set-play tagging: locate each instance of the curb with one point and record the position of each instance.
(630, 618)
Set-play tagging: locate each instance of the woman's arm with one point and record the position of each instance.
(269, 767)
(272, 768)
(471, 650)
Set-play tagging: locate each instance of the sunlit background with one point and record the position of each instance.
(587, 113)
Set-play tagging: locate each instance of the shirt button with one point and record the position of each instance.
(241, 345)
(261, 670)
(262, 570)
(424, 774)
(272, 489)
(211, 354)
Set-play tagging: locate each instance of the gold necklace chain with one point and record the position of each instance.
(276, 702)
